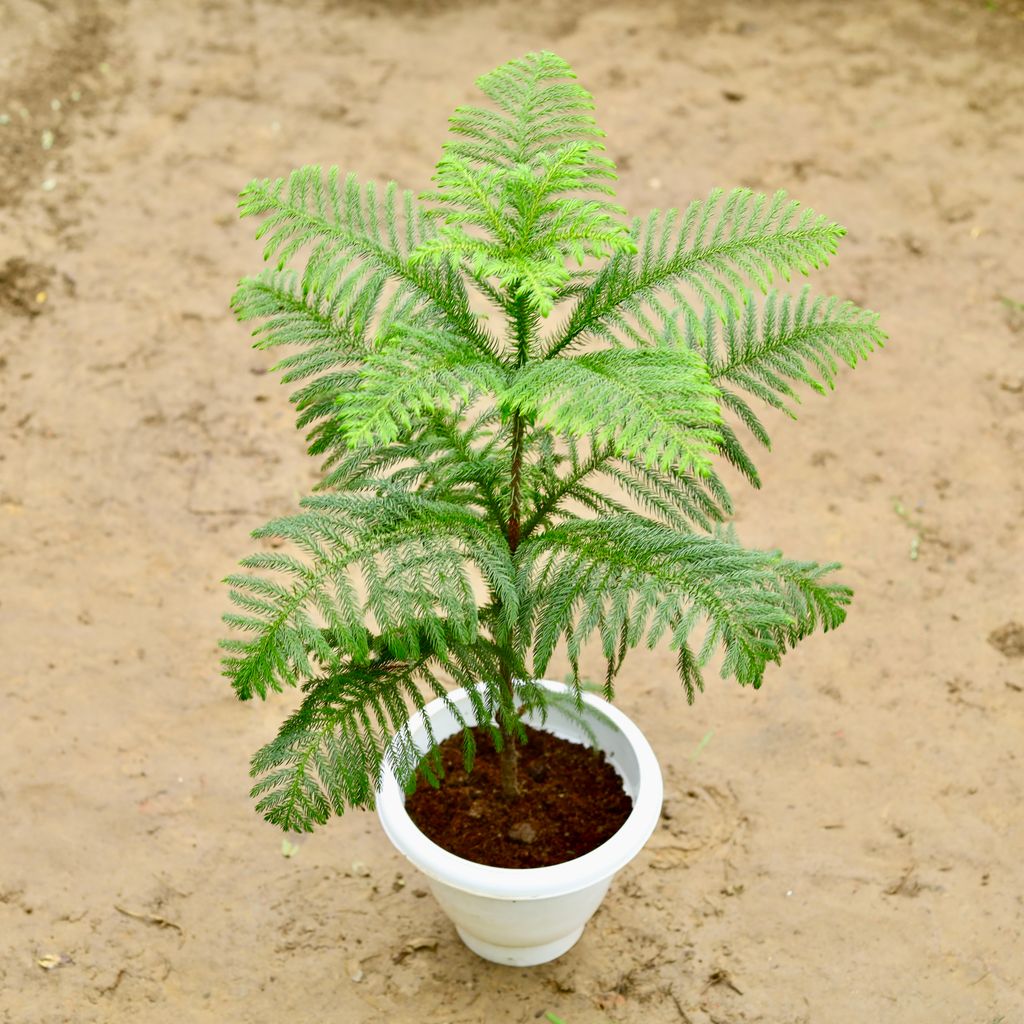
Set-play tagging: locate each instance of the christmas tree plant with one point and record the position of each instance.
(520, 398)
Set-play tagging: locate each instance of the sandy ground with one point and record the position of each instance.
(845, 846)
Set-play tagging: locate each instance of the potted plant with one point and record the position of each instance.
(499, 481)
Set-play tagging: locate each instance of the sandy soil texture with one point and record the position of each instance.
(844, 846)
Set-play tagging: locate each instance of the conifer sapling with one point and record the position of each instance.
(499, 480)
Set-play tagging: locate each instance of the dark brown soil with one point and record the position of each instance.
(1008, 640)
(23, 286)
(572, 801)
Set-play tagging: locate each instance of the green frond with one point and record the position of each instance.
(343, 222)
(733, 450)
(326, 319)
(412, 554)
(330, 752)
(623, 576)
(436, 461)
(657, 406)
(680, 500)
(296, 315)
(551, 488)
(714, 249)
(510, 184)
(412, 374)
(541, 106)
(798, 340)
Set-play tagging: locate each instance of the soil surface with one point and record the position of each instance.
(571, 801)
(843, 846)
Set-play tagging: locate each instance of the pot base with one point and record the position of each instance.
(520, 956)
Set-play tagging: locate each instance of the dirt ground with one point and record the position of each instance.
(845, 846)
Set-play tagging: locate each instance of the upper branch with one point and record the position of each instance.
(350, 217)
(752, 236)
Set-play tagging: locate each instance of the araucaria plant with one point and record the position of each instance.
(520, 397)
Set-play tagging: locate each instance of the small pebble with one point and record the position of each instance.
(522, 832)
(414, 946)
(5, 118)
(75, 95)
(360, 870)
(52, 960)
(49, 185)
(47, 139)
(55, 104)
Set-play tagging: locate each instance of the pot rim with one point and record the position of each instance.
(529, 883)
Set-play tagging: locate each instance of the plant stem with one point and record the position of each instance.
(515, 525)
(509, 757)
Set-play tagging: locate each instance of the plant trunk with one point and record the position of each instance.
(509, 760)
(509, 756)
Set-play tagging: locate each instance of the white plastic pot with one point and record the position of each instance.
(526, 916)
